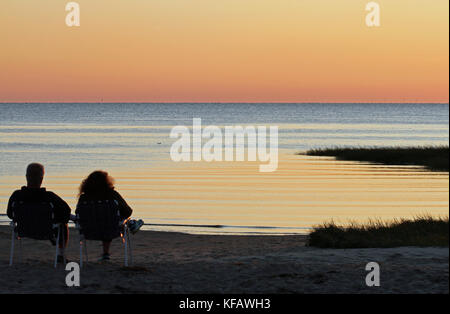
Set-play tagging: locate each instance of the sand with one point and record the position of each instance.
(167, 262)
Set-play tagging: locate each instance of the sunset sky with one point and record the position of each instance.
(224, 51)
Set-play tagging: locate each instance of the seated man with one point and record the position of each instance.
(33, 193)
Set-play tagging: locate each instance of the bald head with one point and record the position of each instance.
(35, 175)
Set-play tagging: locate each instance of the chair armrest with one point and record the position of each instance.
(125, 222)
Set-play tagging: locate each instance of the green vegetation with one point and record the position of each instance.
(433, 158)
(420, 231)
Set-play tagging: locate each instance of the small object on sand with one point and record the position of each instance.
(135, 225)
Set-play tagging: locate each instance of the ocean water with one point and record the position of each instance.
(73, 139)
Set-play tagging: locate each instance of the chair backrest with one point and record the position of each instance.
(34, 219)
(99, 220)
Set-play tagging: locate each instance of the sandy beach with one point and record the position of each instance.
(167, 262)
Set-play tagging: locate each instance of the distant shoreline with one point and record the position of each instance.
(434, 158)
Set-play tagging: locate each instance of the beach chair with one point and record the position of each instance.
(34, 221)
(99, 220)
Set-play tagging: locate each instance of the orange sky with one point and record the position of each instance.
(224, 50)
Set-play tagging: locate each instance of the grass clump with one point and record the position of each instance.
(434, 158)
(420, 231)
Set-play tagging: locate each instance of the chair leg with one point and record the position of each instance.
(126, 246)
(19, 260)
(57, 246)
(81, 253)
(63, 245)
(11, 255)
(130, 248)
(80, 238)
(86, 250)
(83, 246)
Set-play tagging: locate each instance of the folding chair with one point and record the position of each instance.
(34, 221)
(100, 220)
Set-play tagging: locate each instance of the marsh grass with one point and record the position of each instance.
(434, 158)
(421, 231)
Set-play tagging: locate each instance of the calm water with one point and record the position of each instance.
(73, 139)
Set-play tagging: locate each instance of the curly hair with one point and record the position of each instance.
(97, 184)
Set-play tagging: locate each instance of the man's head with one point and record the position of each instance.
(35, 175)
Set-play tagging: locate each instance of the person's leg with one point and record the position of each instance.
(64, 238)
(63, 241)
(106, 245)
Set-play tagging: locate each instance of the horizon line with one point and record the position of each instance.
(224, 102)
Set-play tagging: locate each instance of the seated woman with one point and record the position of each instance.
(99, 187)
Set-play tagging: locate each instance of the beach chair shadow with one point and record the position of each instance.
(100, 220)
(35, 221)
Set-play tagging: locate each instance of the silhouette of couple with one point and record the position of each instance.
(98, 186)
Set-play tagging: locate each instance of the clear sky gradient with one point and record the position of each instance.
(224, 51)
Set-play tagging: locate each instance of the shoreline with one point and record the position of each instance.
(169, 262)
(431, 158)
(201, 229)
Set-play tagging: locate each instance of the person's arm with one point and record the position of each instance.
(124, 208)
(80, 200)
(12, 199)
(62, 209)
